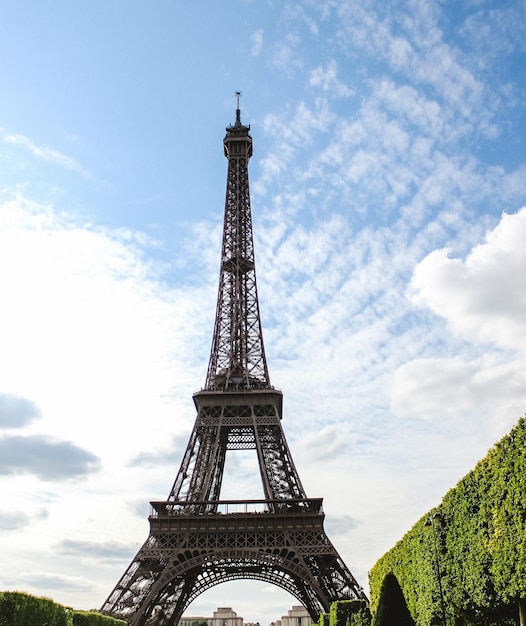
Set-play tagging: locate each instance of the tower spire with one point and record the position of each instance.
(237, 357)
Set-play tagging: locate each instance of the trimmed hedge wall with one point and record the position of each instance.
(22, 609)
(465, 562)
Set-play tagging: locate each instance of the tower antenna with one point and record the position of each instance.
(238, 110)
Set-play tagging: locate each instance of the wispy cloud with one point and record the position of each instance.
(411, 42)
(325, 79)
(47, 154)
(292, 131)
(285, 55)
(495, 31)
(55, 581)
(257, 42)
(18, 520)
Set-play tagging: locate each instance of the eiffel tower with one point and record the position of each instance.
(197, 540)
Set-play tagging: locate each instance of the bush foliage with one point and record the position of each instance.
(473, 544)
(22, 609)
(325, 619)
(349, 613)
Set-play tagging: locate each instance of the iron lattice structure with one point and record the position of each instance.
(197, 540)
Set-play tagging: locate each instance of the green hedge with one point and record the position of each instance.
(93, 618)
(466, 560)
(22, 609)
(350, 613)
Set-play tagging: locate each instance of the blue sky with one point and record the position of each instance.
(388, 183)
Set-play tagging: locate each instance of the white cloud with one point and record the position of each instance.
(406, 101)
(400, 52)
(479, 388)
(470, 393)
(94, 337)
(325, 78)
(484, 296)
(327, 444)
